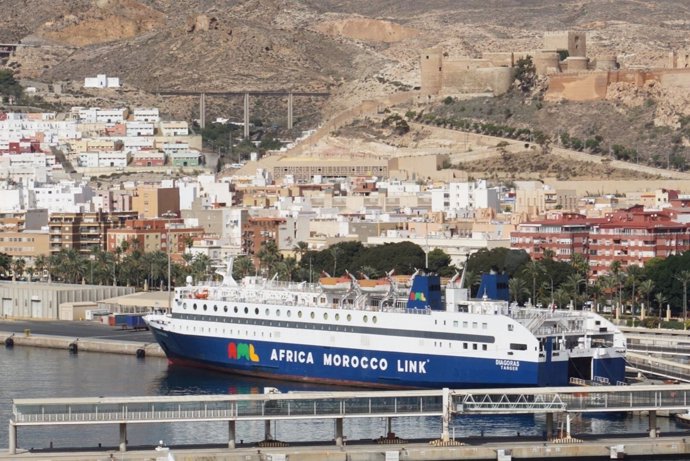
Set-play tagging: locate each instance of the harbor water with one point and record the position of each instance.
(42, 373)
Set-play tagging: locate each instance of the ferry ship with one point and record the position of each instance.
(385, 334)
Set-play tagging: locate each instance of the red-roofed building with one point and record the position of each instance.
(632, 236)
(258, 231)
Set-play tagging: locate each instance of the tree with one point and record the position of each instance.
(301, 248)
(9, 86)
(684, 277)
(5, 263)
(525, 73)
(645, 289)
(242, 267)
(18, 266)
(268, 256)
(439, 262)
(533, 269)
(518, 289)
(335, 252)
(660, 300)
(572, 284)
(497, 260)
(580, 264)
(41, 265)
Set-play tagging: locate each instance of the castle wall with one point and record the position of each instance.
(588, 86)
(459, 79)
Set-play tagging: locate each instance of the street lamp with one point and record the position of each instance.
(168, 215)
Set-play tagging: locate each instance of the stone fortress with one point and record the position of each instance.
(572, 75)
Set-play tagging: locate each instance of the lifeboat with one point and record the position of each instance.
(335, 283)
(374, 286)
(203, 294)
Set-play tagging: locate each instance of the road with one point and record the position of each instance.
(76, 329)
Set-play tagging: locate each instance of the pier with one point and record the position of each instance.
(339, 406)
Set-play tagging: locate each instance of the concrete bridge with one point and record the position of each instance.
(202, 95)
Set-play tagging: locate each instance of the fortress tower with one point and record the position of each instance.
(432, 71)
(575, 43)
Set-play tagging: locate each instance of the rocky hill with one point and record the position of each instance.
(355, 49)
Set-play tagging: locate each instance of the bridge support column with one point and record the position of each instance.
(123, 437)
(289, 118)
(445, 436)
(246, 115)
(652, 424)
(267, 430)
(231, 434)
(339, 432)
(12, 448)
(202, 110)
(549, 426)
(567, 425)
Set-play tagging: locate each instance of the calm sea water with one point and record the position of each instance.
(39, 373)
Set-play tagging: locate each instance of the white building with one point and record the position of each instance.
(458, 198)
(98, 115)
(101, 81)
(146, 115)
(104, 159)
(140, 129)
(169, 129)
(171, 148)
(66, 196)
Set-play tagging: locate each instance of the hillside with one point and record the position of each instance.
(354, 49)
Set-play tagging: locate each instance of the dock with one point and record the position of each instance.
(339, 406)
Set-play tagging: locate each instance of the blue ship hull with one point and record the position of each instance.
(369, 368)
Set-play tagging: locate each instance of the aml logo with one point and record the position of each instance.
(417, 296)
(242, 351)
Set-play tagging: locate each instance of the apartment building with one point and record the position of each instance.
(26, 244)
(149, 235)
(83, 232)
(154, 201)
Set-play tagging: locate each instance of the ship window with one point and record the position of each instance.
(484, 326)
(325, 315)
(483, 347)
(455, 323)
(464, 345)
(518, 347)
(289, 313)
(184, 305)
(366, 318)
(337, 316)
(474, 346)
(299, 314)
(267, 312)
(277, 312)
(205, 307)
(256, 311)
(225, 308)
(311, 315)
(349, 317)
(464, 324)
(374, 319)
(474, 324)
(246, 310)
(194, 306)
(235, 309)
(215, 308)
(511, 327)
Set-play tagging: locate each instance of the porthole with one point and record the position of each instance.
(289, 314)
(337, 316)
(311, 315)
(325, 315)
(267, 312)
(215, 308)
(349, 317)
(366, 318)
(277, 312)
(256, 311)
(184, 305)
(225, 309)
(235, 309)
(246, 310)
(374, 319)
(299, 314)
(194, 306)
(205, 307)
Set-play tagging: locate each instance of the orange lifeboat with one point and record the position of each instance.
(335, 283)
(201, 294)
(374, 286)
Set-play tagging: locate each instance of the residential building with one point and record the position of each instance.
(169, 129)
(537, 200)
(137, 128)
(26, 244)
(148, 158)
(562, 236)
(83, 232)
(154, 201)
(259, 230)
(186, 158)
(146, 114)
(149, 235)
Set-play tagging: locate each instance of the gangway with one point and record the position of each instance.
(663, 368)
(339, 406)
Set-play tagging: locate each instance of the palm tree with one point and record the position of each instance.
(472, 279)
(335, 252)
(573, 284)
(660, 300)
(579, 263)
(645, 289)
(268, 255)
(5, 263)
(242, 267)
(18, 266)
(301, 248)
(534, 269)
(684, 277)
(518, 289)
(41, 265)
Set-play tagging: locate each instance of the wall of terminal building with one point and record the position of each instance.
(42, 300)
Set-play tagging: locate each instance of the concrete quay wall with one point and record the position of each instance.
(84, 344)
(639, 448)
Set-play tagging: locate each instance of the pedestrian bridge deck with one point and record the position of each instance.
(314, 405)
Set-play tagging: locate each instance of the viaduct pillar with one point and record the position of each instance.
(290, 105)
(202, 110)
(246, 115)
